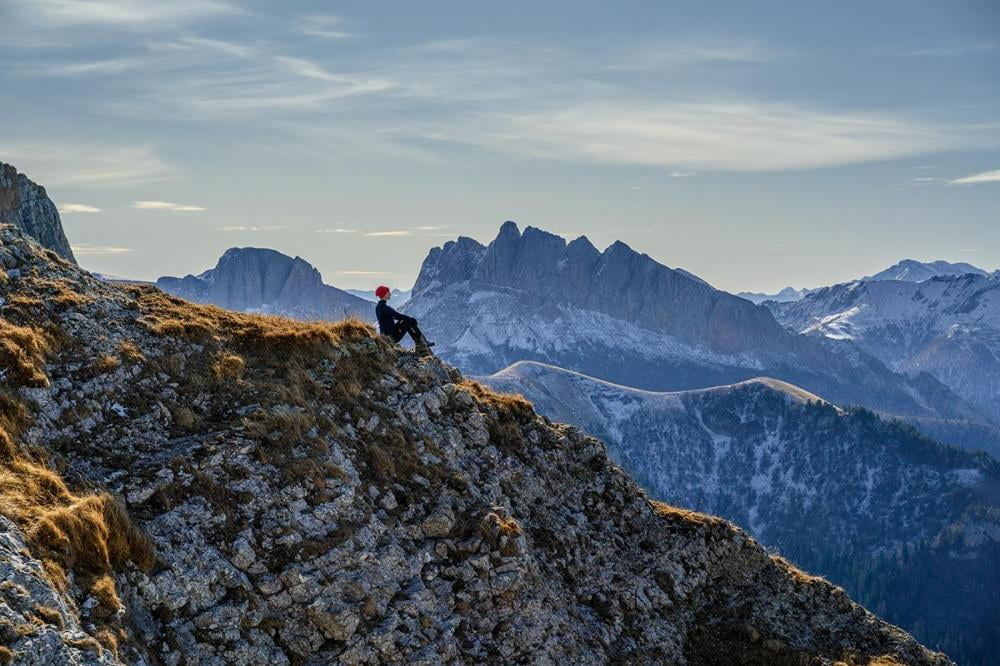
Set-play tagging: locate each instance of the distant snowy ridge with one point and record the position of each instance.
(948, 326)
(908, 270)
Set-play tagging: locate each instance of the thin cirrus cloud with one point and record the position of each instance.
(978, 178)
(240, 227)
(125, 13)
(706, 136)
(96, 165)
(326, 27)
(90, 249)
(71, 208)
(337, 230)
(167, 206)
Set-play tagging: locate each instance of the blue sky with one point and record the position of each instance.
(755, 144)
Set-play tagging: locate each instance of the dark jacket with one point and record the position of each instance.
(389, 319)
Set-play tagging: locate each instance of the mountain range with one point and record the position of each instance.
(261, 280)
(947, 326)
(908, 270)
(870, 504)
(620, 316)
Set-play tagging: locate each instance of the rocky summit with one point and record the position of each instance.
(187, 485)
(26, 205)
(251, 279)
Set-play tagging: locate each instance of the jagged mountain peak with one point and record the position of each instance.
(315, 495)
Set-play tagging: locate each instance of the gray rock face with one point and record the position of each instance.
(620, 316)
(334, 500)
(267, 281)
(839, 492)
(26, 205)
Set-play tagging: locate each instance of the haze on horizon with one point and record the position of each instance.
(755, 146)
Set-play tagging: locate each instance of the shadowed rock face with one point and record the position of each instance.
(262, 280)
(315, 495)
(620, 316)
(26, 205)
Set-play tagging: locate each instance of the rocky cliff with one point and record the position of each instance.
(26, 205)
(245, 489)
(261, 280)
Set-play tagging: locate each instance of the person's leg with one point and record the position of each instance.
(415, 333)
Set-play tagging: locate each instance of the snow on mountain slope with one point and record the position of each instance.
(837, 489)
(621, 316)
(948, 326)
(909, 270)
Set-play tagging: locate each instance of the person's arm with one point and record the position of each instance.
(399, 316)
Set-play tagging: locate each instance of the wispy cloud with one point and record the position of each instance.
(128, 13)
(337, 230)
(432, 227)
(978, 178)
(89, 249)
(954, 51)
(94, 67)
(325, 27)
(59, 164)
(252, 228)
(682, 174)
(168, 206)
(363, 273)
(703, 136)
(397, 232)
(70, 208)
(656, 56)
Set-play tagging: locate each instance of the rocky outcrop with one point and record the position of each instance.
(26, 205)
(261, 280)
(620, 316)
(841, 492)
(315, 495)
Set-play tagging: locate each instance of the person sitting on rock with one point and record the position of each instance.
(395, 324)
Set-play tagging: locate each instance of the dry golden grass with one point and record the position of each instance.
(106, 637)
(22, 355)
(512, 413)
(799, 575)
(227, 367)
(279, 337)
(88, 534)
(104, 364)
(684, 515)
(185, 418)
(49, 615)
(130, 352)
(6, 655)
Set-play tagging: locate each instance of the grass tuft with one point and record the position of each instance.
(22, 355)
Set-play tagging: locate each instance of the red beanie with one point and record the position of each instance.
(382, 291)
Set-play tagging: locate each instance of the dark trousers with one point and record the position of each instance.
(407, 326)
